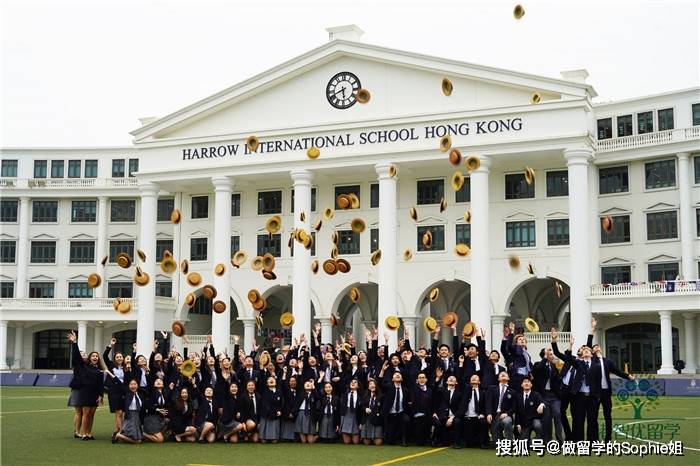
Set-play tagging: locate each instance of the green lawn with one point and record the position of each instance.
(44, 436)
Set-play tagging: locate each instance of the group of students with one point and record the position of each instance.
(308, 392)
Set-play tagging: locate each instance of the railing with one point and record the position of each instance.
(121, 182)
(649, 139)
(196, 342)
(89, 304)
(661, 288)
(67, 183)
(544, 338)
(8, 182)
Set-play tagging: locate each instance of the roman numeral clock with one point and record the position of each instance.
(341, 90)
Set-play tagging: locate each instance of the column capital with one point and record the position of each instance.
(103, 198)
(3, 323)
(683, 155)
(689, 315)
(578, 155)
(301, 176)
(384, 170)
(222, 183)
(484, 164)
(409, 319)
(148, 188)
(665, 314)
(82, 323)
(24, 199)
(18, 324)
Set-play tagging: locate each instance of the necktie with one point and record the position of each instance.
(451, 392)
(307, 404)
(500, 398)
(397, 402)
(211, 408)
(250, 373)
(255, 405)
(352, 400)
(475, 396)
(371, 402)
(526, 396)
(160, 399)
(495, 366)
(328, 405)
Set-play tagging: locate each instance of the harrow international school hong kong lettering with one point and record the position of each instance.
(362, 138)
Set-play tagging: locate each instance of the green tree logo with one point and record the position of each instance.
(640, 393)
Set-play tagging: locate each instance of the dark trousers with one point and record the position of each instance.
(605, 400)
(420, 428)
(396, 428)
(584, 409)
(475, 432)
(452, 434)
(566, 398)
(552, 413)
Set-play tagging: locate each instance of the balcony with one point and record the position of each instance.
(73, 308)
(643, 297)
(649, 139)
(67, 183)
(647, 289)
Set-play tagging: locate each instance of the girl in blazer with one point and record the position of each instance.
(231, 422)
(156, 413)
(372, 421)
(78, 358)
(328, 413)
(306, 414)
(207, 416)
(181, 415)
(271, 411)
(350, 409)
(131, 431)
(290, 392)
(115, 385)
(92, 387)
(250, 412)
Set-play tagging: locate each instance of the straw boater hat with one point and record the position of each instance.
(445, 143)
(168, 264)
(354, 201)
(518, 11)
(219, 269)
(313, 152)
(115, 303)
(124, 307)
(434, 295)
(260, 304)
(457, 180)
(259, 321)
(190, 299)
(430, 324)
(184, 266)
(363, 96)
(268, 262)
(558, 289)
(218, 306)
(347, 348)
(473, 163)
(209, 292)
(104, 261)
(194, 279)
(302, 216)
(239, 258)
(449, 318)
(269, 275)
(318, 224)
(447, 87)
(141, 254)
(94, 280)
(468, 216)
(392, 322)
(252, 142)
(357, 225)
(514, 262)
(536, 98)
(273, 224)
(178, 328)
(407, 255)
(443, 205)
(328, 213)
(354, 295)
(455, 157)
(413, 213)
(334, 320)
(427, 239)
(257, 263)
(531, 325)
(287, 319)
(175, 216)
(376, 257)
(330, 266)
(342, 201)
(392, 170)
(308, 242)
(343, 265)
(530, 269)
(469, 329)
(334, 252)
(334, 237)
(124, 260)
(529, 175)
(607, 223)
(314, 266)
(141, 278)
(253, 295)
(462, 250)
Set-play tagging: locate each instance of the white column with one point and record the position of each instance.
(326, 330)
(221, 323)
(480, 301)
(691, 366)
(666, 343)
(493, 340)
(425, 336)
(593, 225)
(19, 344)
(145, 324)
(386, 304)
(22, 250)
(301, 290)
(248, 334)
(358, 330)
(82, 336)
(177, 247)
(3, 344)
(101, 249)
(98, 340)
(409, 323)
(689, 270)
(579, 240)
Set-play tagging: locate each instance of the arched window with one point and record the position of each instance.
(638, 345)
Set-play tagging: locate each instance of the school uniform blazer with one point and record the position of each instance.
(479, 407)
(375, 416)
(525, 414)
(343, 406)
(610, 368)
(311, 373)
(517, 356)
(129, 397)
(204, 414)
(244, 376)
(272, 402)
(488, 371)
(507, 405)
(347, 376)
(443, 405)
(421, 400)
(323, 402)
(231, 409)
(542, 372)
(152, 401)
(390, 398)
(436, 361)
(247, 408)
(179, 420)
(312, 400)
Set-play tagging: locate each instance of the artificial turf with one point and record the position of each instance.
(36, 428)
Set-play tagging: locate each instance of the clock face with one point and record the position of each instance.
(341, 90)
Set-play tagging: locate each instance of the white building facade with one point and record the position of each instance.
(636, 161)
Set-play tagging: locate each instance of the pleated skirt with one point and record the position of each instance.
(327, 427)
(269, 429)
(348, 423)
(304, 424)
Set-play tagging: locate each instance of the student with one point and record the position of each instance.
(305, 411)
(349, 411)
(182, 417)
(328, 412)
(517, 353)
(115, 385)
(372, 421)
(92, 387)
(131, 431)
(271, 412)
(447, 417)
(79, 359)
(473, 409)
(421, 404)
(500, 404)
(547, 382)
(289, 392)
(528, 412)
(156, 413)
(207, 416)
(396, 411)
(231, 422)
(250, 412)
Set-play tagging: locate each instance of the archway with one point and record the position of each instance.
(542, 300)
(637, 345)
(453, 296)
(355, 317)
(52, 349)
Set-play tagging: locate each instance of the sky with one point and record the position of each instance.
(81, 72)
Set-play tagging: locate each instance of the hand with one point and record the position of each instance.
(208, 339)
(503, 416)
(405, 334)
(489, 418)
(438, 372)
(511, 327)
(368, 411)
(554, 334)
(594, 323)
(302, 337)
(449, 421)
(540, 408)
(437, 331)
(351, 339)
(368, 336)
(461, 360)
(236, 339)
(386, 338)
(571, 339)
(155, 345)
(520, 429)
(506, 332)
(113, 342)
(186, 339)
(632, 377)
(317, 327)
(255, 345)
(171, 386)
(134, 347)
(480, 416)
(385, 365)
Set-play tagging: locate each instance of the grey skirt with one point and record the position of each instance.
(348, 423)
(269, 429)
(226, 429)
(371, 432)
(131, 427)
(287, 430)
(327, 427)
(74, 398)
(304, 424)
(153, 424)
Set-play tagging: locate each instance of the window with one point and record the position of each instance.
(117, 168)
(697, 223)
(7, 290)
(74, 167)
(373, 239)
(43, 252)
(236, 205)
(165, 209)
(163, 245)
(198, 249)
(117, 247)
(45, 211)
(200, 207)
(41, 289)
(616, 274)
(8, 251)
(79, 290)
(558, 232)
(8, 169)
(91, 169)
(133, 166)
(57, 169)
(620, 232)
(696, 161)
(313, 200)
(645, 122)
(665, 117)
(696, 114)
(354, 189)
(463, 234)
(82, 252)
(83, 211)
(430, 191)
(123, 210)
(558, 183)
(438, 232)
(313, 245)
(660, 174)
(269, 202)
(613, 180)
(40, 168)
(202, 307)
(663, 271)
(464, 193)
(235, 244)
(605, 128)
(624, 125)
(520, 234)
(8, 210)
(271, 244)
(662, 225)
(348, 242)
(120, 290)
(517, 187)
(374, 195)
(164, 289)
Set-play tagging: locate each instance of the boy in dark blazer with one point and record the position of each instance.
(473, 409)
(528, 411)
(500, 405)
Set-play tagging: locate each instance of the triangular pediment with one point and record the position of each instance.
(617, 260)
(78, 277)
(44, 236)
(663, 258)
(199, 233)
(615, 211)
(5, 236)
(558, 213)
(120, 276)
(519, 215)
(82, 236)
(123, 236)
(402, 84)
(163, 235)
(661, 206)
(41, 277)
(6, 277)
(430, 220)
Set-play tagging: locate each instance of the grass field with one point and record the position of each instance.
(36, 428)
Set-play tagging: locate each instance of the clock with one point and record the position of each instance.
(341, 90)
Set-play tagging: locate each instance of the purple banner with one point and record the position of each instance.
(683, 387)
(54, 380)
(18, 378)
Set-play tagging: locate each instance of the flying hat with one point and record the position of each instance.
(445, 143)
(302, 216)
(455, 157)
(342, 201)
(178, 328)
(219, 269)
(124, 307)
(447, 87)
(363, 96)
(308, 242)
(287, 319)
(252, 143)
(259, 321)
(514, 262)
(427, 239)
(392, 322)
(218, 306)
(175, 216)
(334, 252)
(253, 295)
(257, 263)
(357, 225)
(334, 320)
(328, 213)
(269, 275)
(343, 265)
(330, 266)
(354, 295)
(449, 318)
(334, 237)
(268, 262)
(529, 175)
(94, 280)
(434, 295)
(518, 11)
(607, 223)
(407, 255)
(531, 325)
(124, 260)
(168, 264)
(530, 269)
(443, 205)
(318, 224)
(558, 289)
(190, 299)
(462, 249)
(184, 266)
(273, 224)
(472, 163)
(430, 324)
(115, 303)
(260, 304)
(535, 98)
(392, 170)
(141, 278)
(413, 213)
(457, 180)
(104, 261)
(469, 329)
(468, 216)
(313, 152)
(347, 348)
(194, 279)
(314, 266)
(141, 254)
(209, 292)
(239, 258)
(376, 257)
(354, 201)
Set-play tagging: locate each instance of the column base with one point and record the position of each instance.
(666, 371)
(690, 370)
